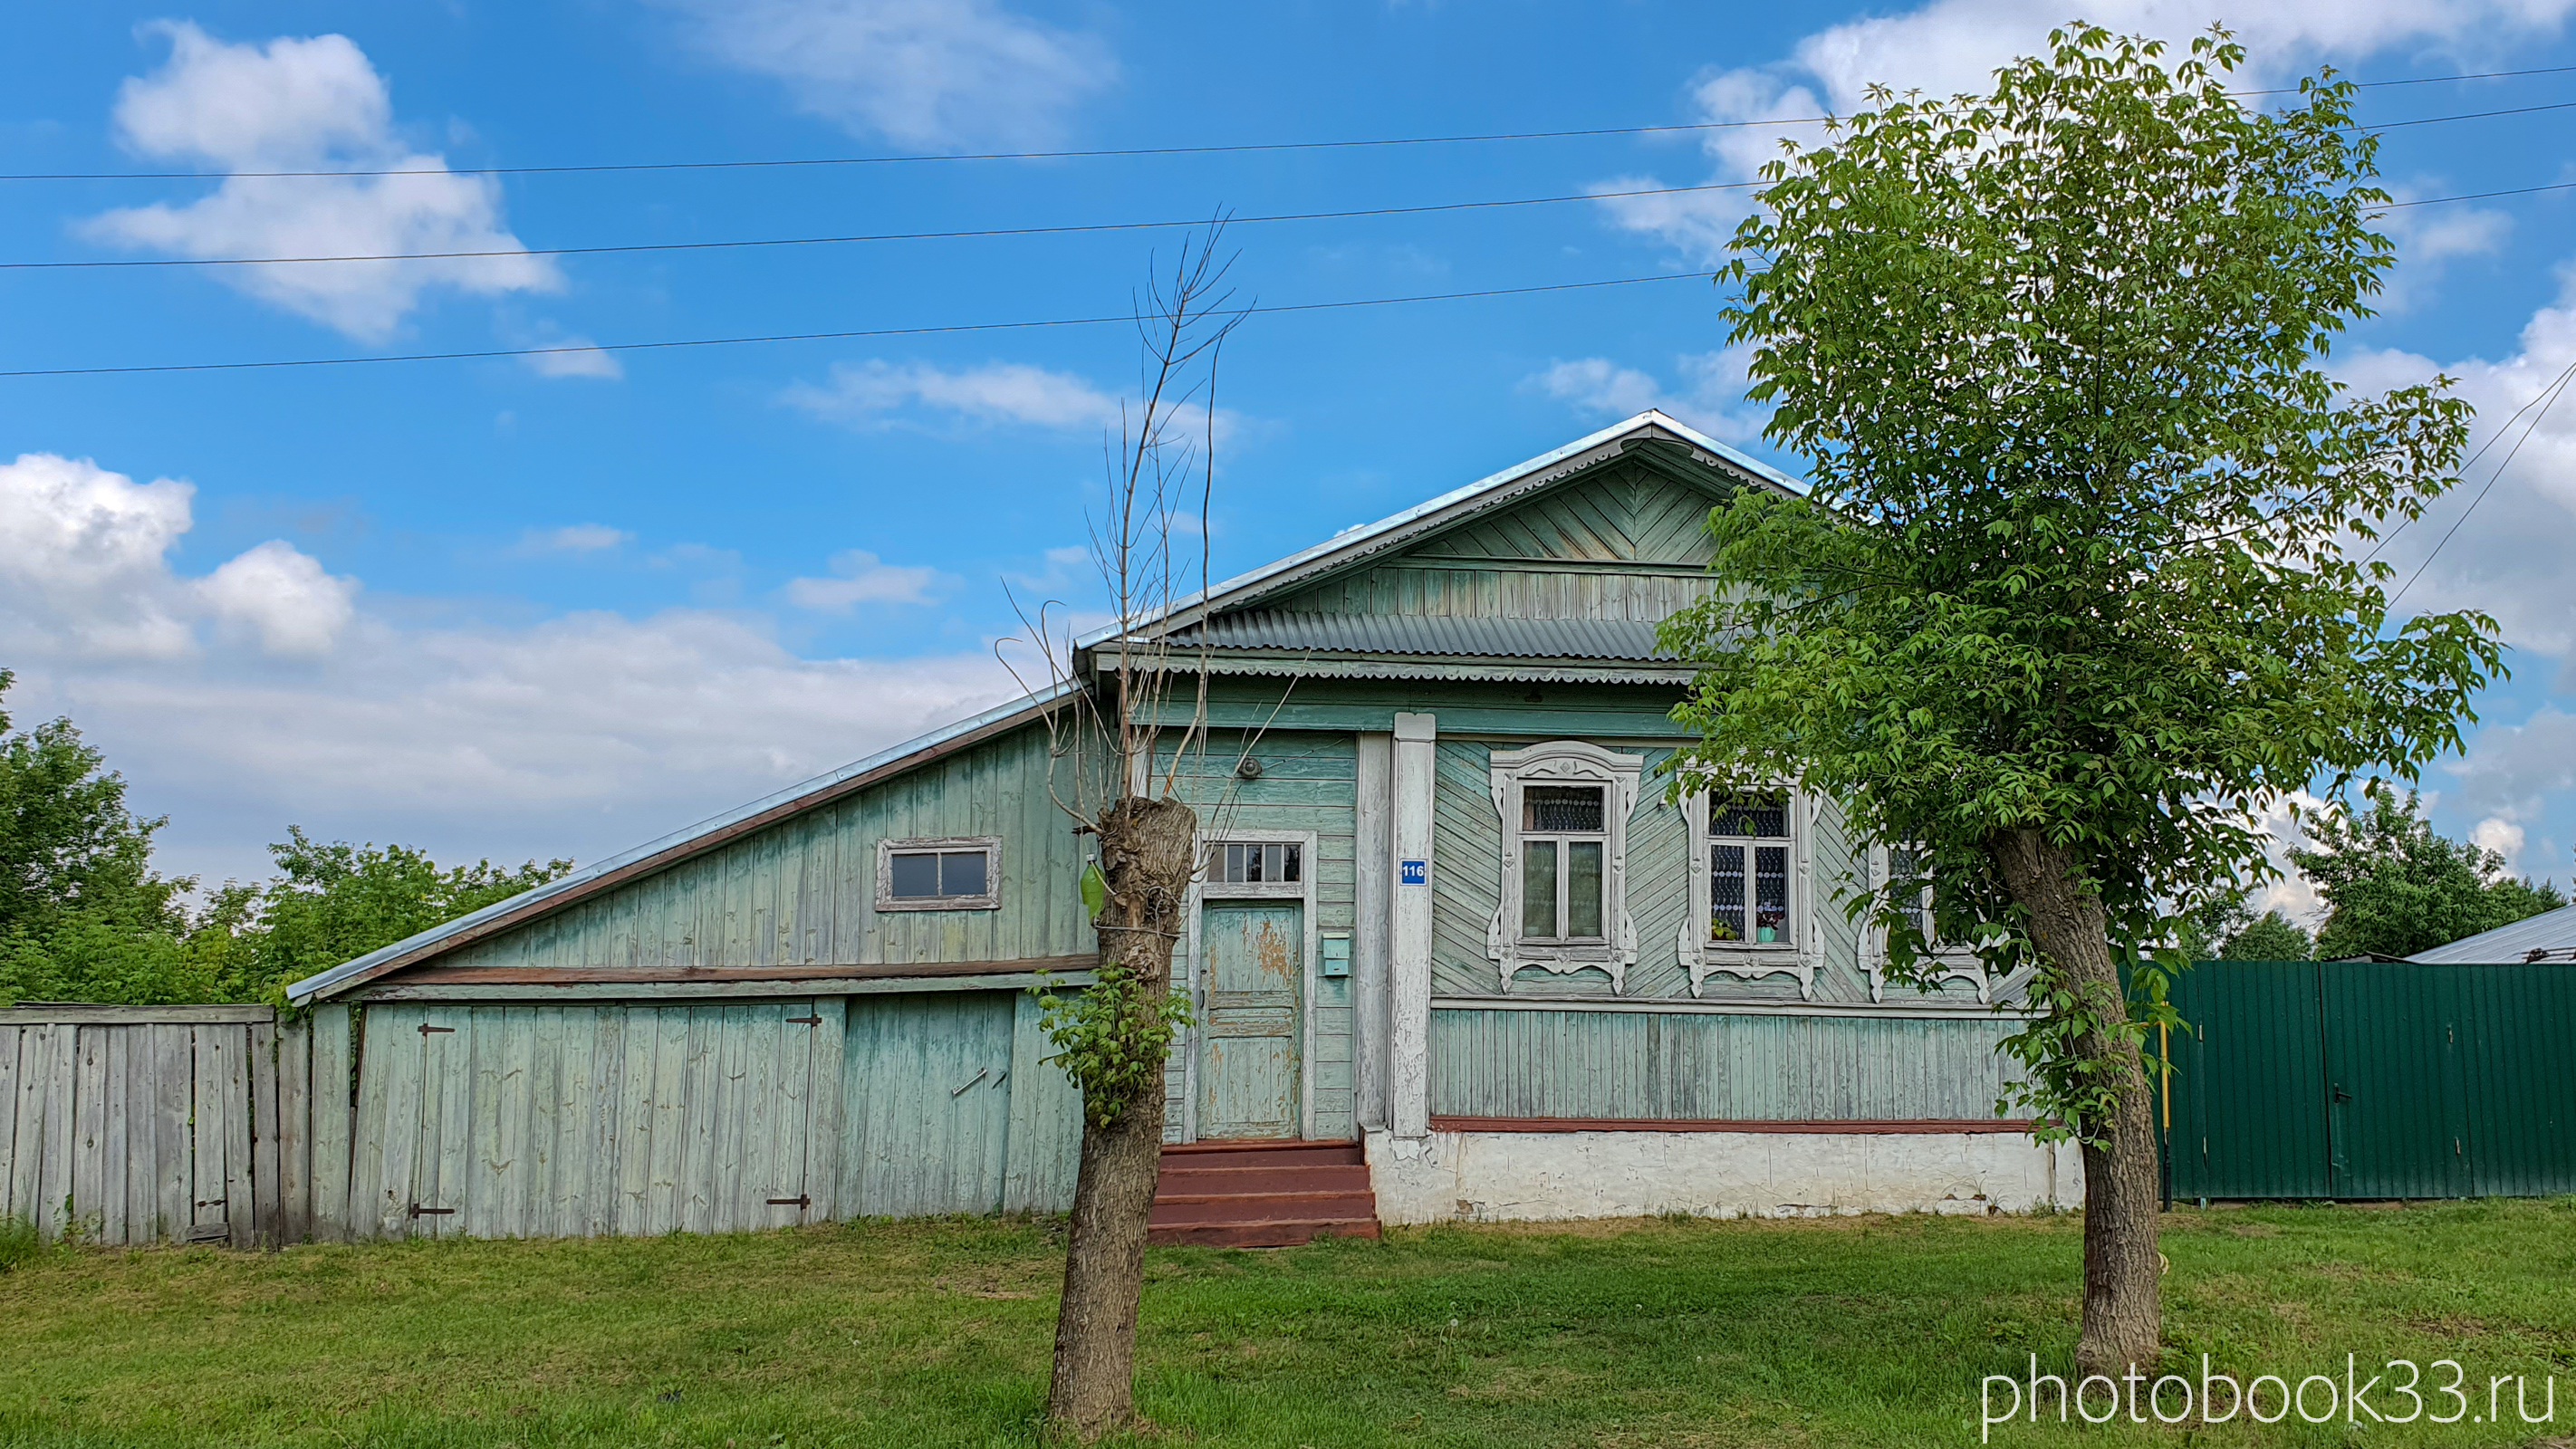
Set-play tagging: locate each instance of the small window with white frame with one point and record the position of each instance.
(1752, 894)
(943, 873)
(1256, 862)
(1563, 902)
(1906, 874)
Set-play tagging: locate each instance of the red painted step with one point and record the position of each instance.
(1262, 1194)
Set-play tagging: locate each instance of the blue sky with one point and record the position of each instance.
(517, 608)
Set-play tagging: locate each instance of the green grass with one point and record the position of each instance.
(1870, 1331)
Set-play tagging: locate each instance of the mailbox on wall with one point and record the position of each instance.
(1337, 954)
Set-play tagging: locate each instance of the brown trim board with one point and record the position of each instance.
(624, 976)
(1926, 1127)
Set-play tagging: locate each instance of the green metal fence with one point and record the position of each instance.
(2306, 1079)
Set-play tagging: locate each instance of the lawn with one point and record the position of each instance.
(1863, 1331)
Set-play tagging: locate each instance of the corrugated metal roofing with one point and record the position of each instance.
(2550, 931)
(1621, 639)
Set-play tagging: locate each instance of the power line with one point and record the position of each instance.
(2556, 390)
(1065, 229)
(1123, 317)
(1120, 152)
(808, 241)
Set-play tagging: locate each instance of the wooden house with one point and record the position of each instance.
(1454, 953)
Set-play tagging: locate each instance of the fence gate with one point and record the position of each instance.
(547, 1121)
(145, 1124)
(2304, 1079)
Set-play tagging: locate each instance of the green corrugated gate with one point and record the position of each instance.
(2304, 1079)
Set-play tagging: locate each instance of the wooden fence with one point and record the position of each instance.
(152, 1124)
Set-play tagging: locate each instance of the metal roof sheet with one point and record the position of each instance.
(2550, 931)
(1621, 639)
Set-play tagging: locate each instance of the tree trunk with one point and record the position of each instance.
(2123, 1305)
(1146, 858)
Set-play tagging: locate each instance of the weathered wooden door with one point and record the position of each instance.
(1253, 968)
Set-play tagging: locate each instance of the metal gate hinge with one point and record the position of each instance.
(804, 1021)
(426, 1029)
(800, 1200)
(430, 1212)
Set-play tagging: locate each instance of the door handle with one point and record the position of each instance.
(2341, 1095)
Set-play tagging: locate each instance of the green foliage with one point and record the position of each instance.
(2270, 936)
(2396, 888)
(1112, 1037)
(83, 917)
(2074, 557)
(19, 1243)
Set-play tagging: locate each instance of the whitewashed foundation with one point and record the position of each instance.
(1557, 1176)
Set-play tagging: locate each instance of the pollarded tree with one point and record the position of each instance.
(2071, 598)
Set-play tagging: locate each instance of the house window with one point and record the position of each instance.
(1749, 852)
(1911, 889)
(948, 873)
(1564, 843)
(1564, 895)
(1752, 888)
(1906, 873)
(1256, 862)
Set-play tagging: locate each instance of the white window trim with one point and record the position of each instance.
(1949, 963)
(990, 900)
(1802, 955)
(1561, 762)
(1191, 973)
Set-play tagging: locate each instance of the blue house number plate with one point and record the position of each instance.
(1413, 872)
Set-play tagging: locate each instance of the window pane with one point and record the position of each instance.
(961, 873)
(1726, 892)
(1233, 864)
(1538, 890)
(915, 875)
(1294, 869)
(1757, 813)
(1906, 886)
(1583, 888)
(1274, 862)
(1561, 807)
(1771, 893)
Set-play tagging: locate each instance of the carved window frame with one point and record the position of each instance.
(989, 900)
(1565, 762)
(1802, 955)
(1949, 963)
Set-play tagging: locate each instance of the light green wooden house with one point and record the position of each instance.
(1449, 917)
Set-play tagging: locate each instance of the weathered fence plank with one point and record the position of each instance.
(266, 1162)
(333, 1118)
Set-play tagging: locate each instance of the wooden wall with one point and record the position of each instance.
(1728, 1067)
(1308, 781)
(615, 1118)
(138, 1125)
(803, 892)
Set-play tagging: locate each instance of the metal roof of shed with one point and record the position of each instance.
(2550, 932)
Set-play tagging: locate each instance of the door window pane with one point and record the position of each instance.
(1583, 888)
(1251, 863)
(915, 875)
(1538, 889)
(1561, 807)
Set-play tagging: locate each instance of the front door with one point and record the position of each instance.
(1252, 960)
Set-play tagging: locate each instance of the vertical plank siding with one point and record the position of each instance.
(127, 1132)
(1714, 1067)
(803, 892)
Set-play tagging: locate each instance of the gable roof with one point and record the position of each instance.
(1606, 642)
(1494, 490)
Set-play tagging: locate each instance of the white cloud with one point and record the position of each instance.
(859, 577)
(2511, 773)
(281, 595)
(2499, 835)
(1951, 46)
(573, 538)
(1710, 395)
(2509, 556)
(85, 552)
(573, 355)
(870, 393)
(296, 104)
(931, 73)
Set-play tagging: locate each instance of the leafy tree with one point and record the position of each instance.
(2069, 601)
(2270, 936)
(2396, 887)
(82, 913)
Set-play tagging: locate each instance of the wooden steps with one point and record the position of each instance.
(1262, 1194)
